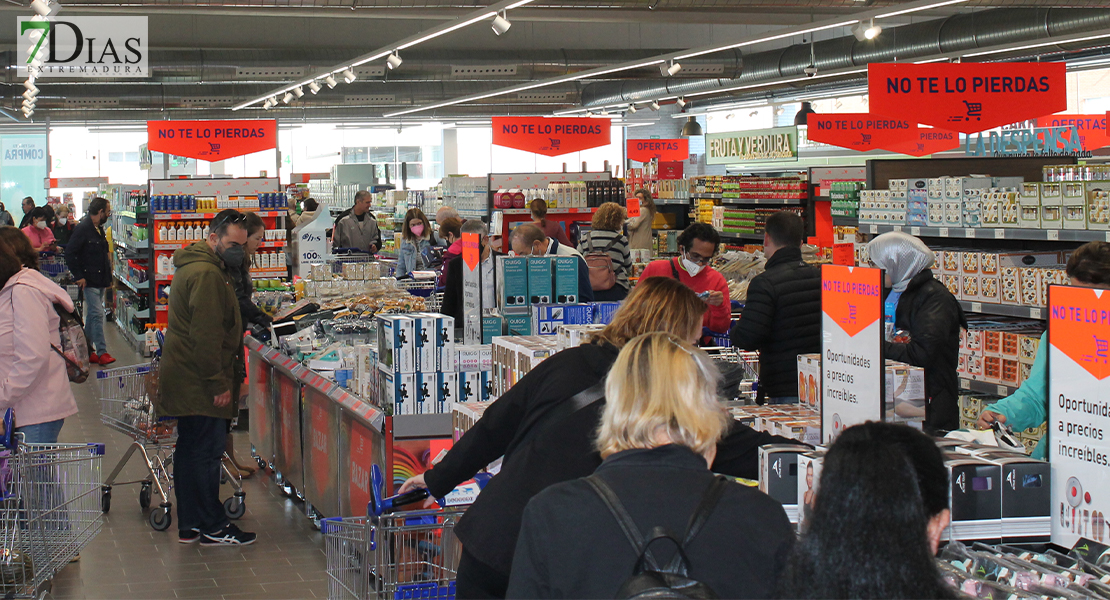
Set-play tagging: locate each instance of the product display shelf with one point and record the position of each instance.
(986, 387)
(269, 273)
(550, 211)
(742, 237)
(177, 245)
(134, 287)
(749, 201)
(1005, 310)
(132, 339)
(162, 308)
(132, 245)
(183, 216)
(1051, 235)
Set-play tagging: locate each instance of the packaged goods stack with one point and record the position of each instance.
(665, 184)
(418, 362)
(999, 351)
(1000, 277)
(845, 197)
(468, 195)
(538, 294)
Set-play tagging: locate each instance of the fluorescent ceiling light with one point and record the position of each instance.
(444, 28)
(876, 13)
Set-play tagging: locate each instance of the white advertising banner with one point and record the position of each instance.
(852, 378)
(472, 289)
(115, 47)
(1079, 413)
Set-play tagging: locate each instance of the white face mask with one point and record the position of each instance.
(692, 267)
(62, 220)
(40, 224)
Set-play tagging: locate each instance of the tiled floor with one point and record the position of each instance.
(131, 560)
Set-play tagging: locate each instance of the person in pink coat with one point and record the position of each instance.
(38, 231)
(33, 378)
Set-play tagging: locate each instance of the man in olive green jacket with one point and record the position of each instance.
(204, 341)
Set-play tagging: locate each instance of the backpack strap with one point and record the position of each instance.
(701, 515)
(627, 525)
(557, 414)
(610, 245)
(590, 241)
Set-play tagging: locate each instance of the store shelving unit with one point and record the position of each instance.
(982, 233)
(129, 226)
(535, 181)
(750, 201)
(986, 387)
(1004, 310)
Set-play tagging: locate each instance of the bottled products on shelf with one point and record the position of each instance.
(844, 197)
(189, 203)
(747, 187)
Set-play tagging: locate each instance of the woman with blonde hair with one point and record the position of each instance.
(544, 427)
(658, 437)
(607, 241)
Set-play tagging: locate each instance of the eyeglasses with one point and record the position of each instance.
(228, 219)
(697, 258)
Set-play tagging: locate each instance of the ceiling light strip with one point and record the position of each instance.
(878, 13)
(481, 14)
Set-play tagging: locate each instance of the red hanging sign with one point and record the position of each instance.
(211, 140)
(844, 254)
(1091, 128)
(865, 131)
(471, 255)
(632, 205)
(664, 150)
(967, 97)
(551, 136)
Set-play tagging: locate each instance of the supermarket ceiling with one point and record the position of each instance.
(208, 57)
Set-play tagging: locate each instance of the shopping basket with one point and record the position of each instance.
(48, 509)
(128, 396)
(411, 554)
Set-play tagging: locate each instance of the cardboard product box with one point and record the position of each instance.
(976, 499)
(487, 386)
(1028, 344)
(572, 336)
(426, 328)
(1073, 192)
(1010, 290)
(973, 210)
(398, 391)
(540, 290)
(513, 280)
(397, 343)
(961, 187)
(975, 364)
(952, 282)
(1098, 207)
(492, 326)
(1029, 259)
(905, 394)
(992, 342)
(1029, 285)
(1009, 210)
(1009, 373)
(988, 262)
(1075, 216)
(953, 213)
(974, 342)
(604, 311)
(447, 391)
(1026, 497)
(469, 386)
(809, 381)
(1029, 217)
(961, 362)
(518, 322)
(469, 358)
(1030, 193)
(990, 210)
(1009, 182)
(778, 474)
(952, 261)
(809, 476)
(992, 369)
(425, 393)
(1052, 217)
(546, 318)
(990, 289)
(969, 287)
(1009, 347)
(935, 212)
(566, 279)
(934, 186)
(445, 342)
(1052, 193)
(971, 406)
(969, 262)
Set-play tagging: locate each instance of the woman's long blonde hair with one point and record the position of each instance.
(660, 384)
(656, 304)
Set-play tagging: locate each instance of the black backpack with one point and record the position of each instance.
(648, 580)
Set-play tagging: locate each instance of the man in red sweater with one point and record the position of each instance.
(697, 246)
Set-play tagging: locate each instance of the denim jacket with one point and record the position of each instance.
(412, 257)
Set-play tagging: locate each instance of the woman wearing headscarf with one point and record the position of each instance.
(921, 306)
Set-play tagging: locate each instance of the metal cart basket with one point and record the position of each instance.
(412, 554)
(128, 396)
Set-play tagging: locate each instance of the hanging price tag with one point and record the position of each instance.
(633, 205)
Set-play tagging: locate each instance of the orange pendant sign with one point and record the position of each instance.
(211, 140)
(664, 150)
(967, 97)
(865, 131)
(551, 136)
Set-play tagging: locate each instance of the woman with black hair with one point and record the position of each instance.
(881, 507)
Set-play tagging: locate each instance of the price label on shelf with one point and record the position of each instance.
(915, 231)
(969, 232)
(875, 229)
(965, 384)
(999, 234)
(1003, 390)
(942, 232)
(1108, 236)
(1053, 235)
(1035, 313)
(976, 307)
(897, 228)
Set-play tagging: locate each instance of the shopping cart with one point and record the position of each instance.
(128, 396)
(54, 266)
(418, 287)
(412, 554)
(48, 509)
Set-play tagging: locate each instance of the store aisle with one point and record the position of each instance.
(130, 560)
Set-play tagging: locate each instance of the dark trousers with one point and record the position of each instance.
(476, 579)
(196, 473)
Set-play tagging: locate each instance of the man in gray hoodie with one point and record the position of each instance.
(359, 228)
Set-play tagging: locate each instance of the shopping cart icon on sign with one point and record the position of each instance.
(214, 148)
(866, 138)
(974, 109)
(851, 318)
(1102, 352)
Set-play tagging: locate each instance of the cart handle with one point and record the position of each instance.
(379, 505)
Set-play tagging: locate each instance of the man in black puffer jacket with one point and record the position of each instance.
(782, 316)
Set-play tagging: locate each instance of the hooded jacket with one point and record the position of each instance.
(204, 336)
(933, 317)
(781, 319)
(33, 378)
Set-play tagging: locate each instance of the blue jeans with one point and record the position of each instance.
(41, 433)
(94, 322)
(783, 400)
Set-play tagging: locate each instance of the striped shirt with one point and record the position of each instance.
(622, 261)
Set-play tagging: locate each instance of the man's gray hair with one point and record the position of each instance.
(475, 226)
(447, 212)
(529, 234)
